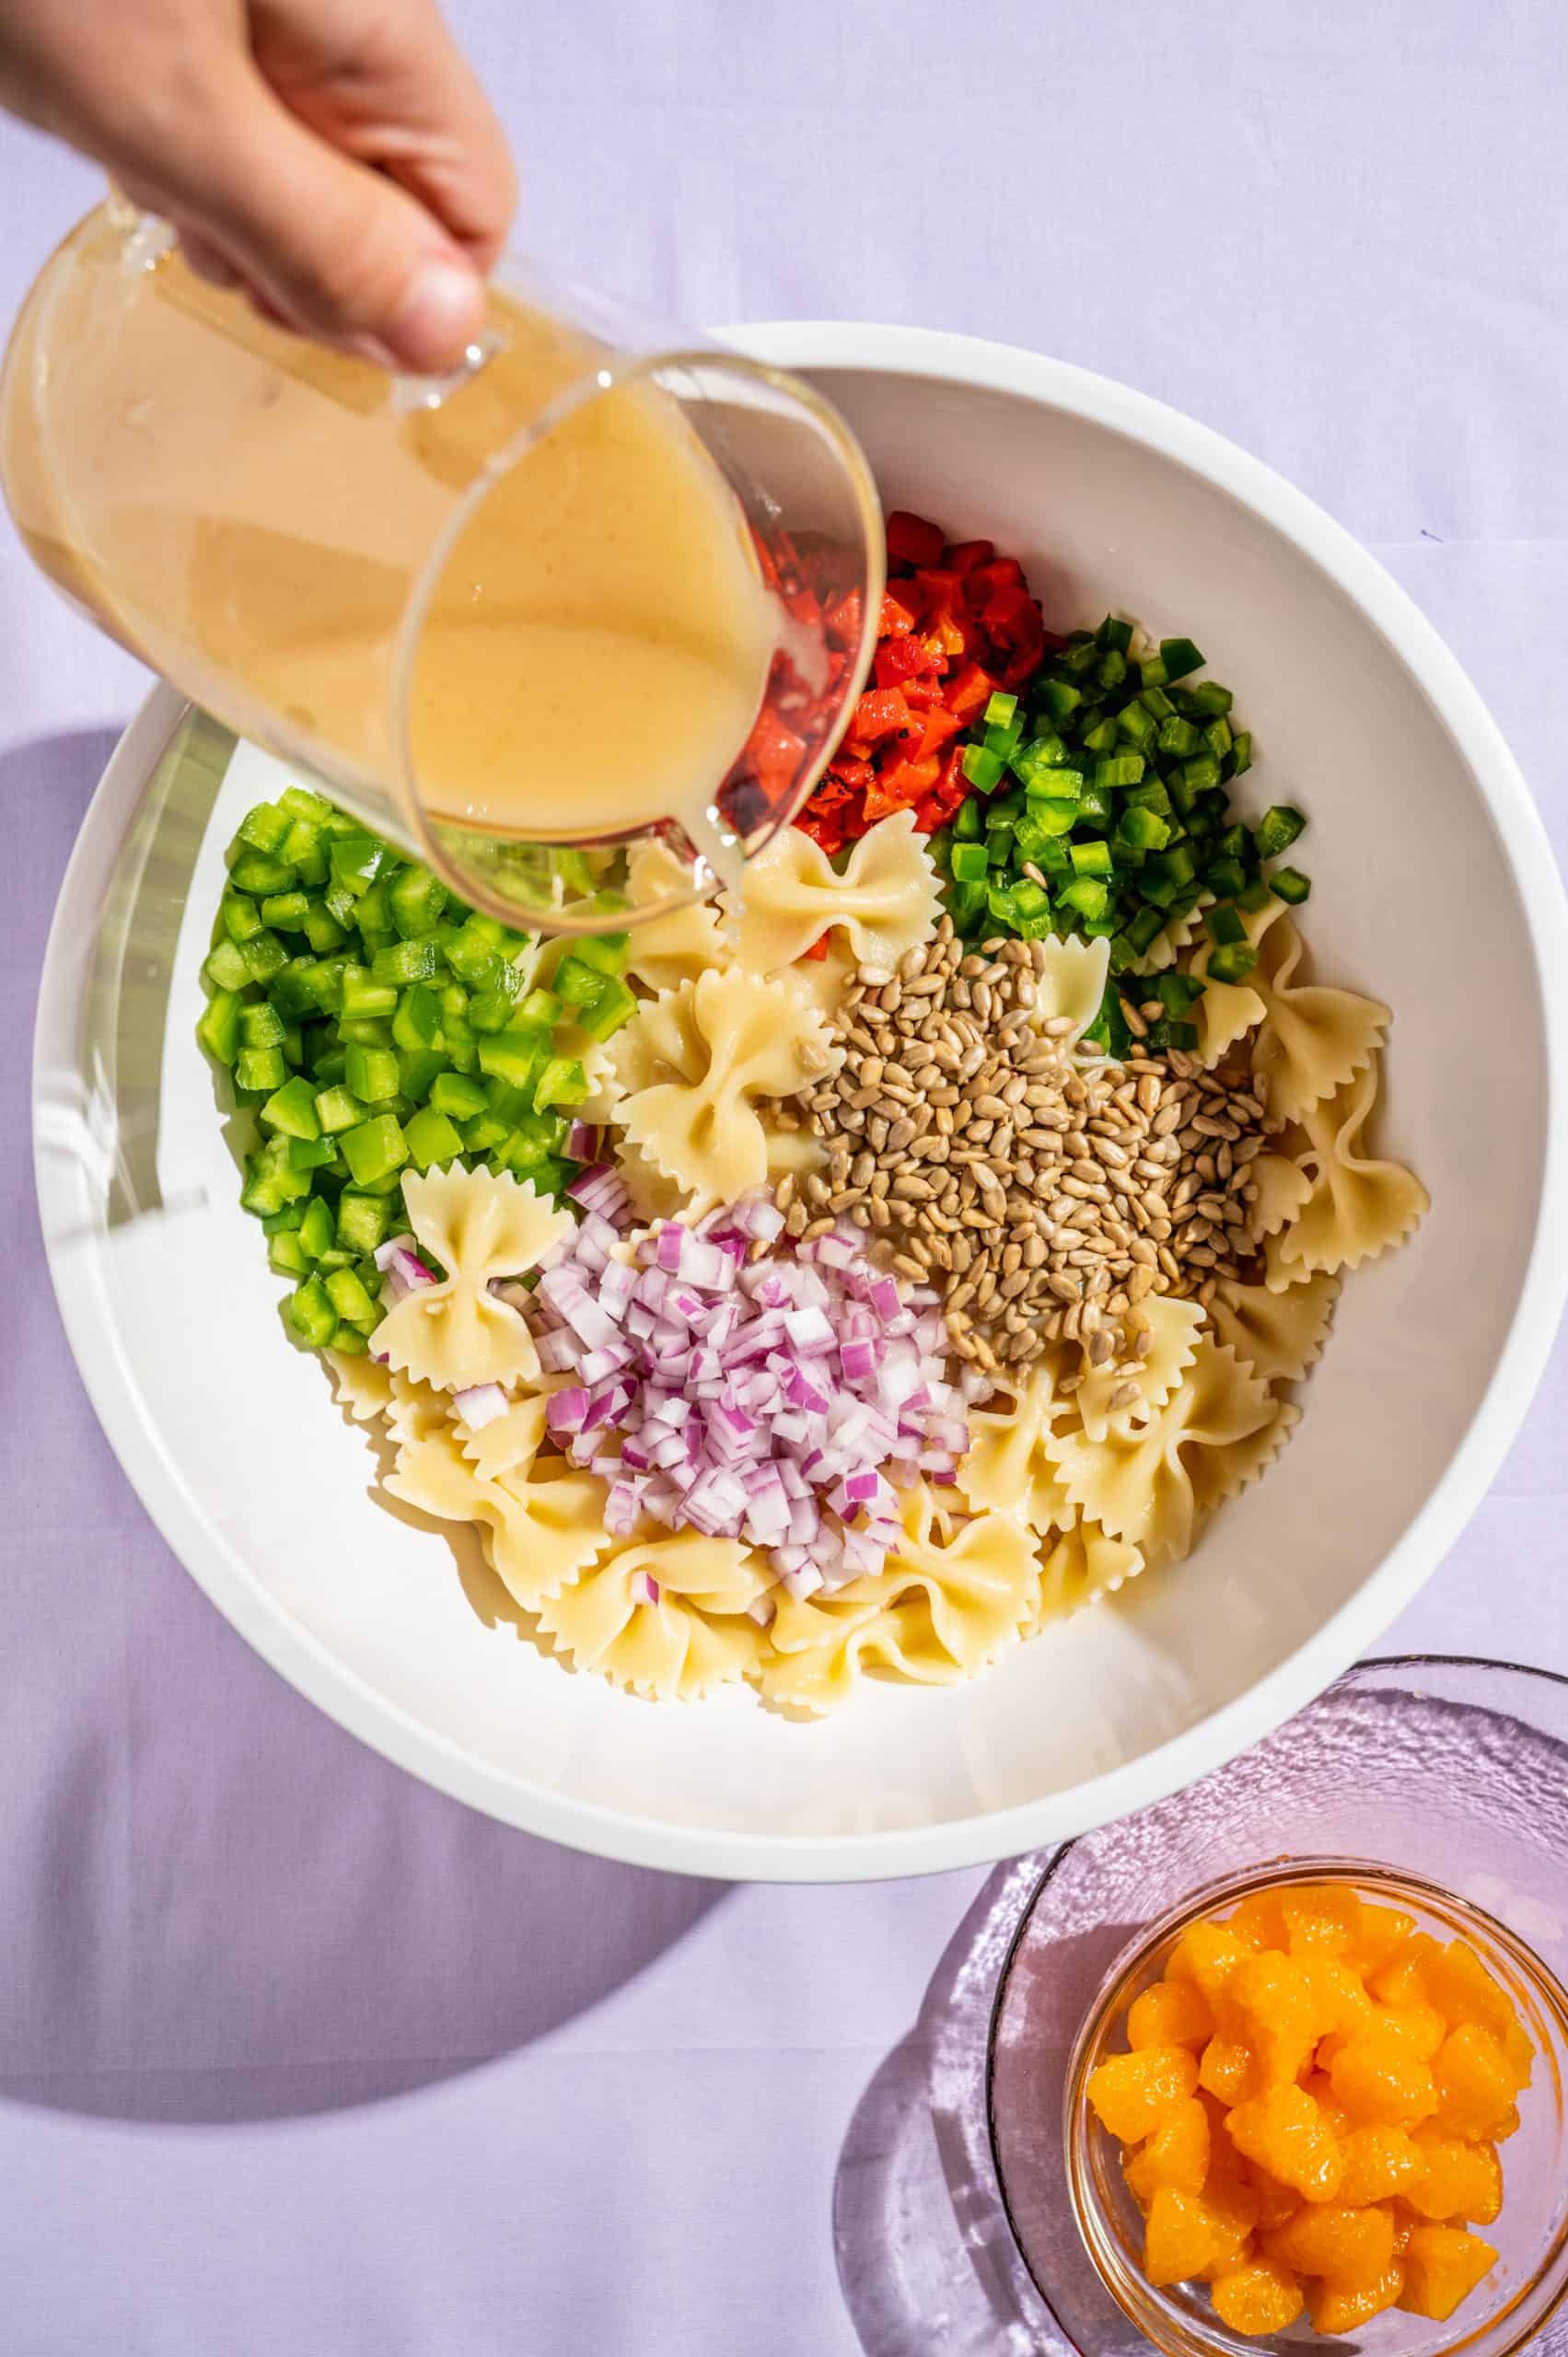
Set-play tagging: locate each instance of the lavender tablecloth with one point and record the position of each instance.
(295, 2055)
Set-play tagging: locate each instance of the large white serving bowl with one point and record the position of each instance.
(1433, 886)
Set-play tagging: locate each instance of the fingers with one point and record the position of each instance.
(384, 81)
(336, 158)
(334, 248)
(206, 261)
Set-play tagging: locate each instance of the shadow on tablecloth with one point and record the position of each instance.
(218, 1905)
(927, 2259)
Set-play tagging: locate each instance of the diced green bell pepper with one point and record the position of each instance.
(292, 1109)
(364, 1222)
(375, 1151)
(311, 1315)
(218, 1029)
(431, 1138)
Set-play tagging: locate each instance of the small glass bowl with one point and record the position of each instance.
(1509, 2308)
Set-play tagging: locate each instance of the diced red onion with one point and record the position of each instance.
(566, 1412)
(781, 1400)
(479, 1404)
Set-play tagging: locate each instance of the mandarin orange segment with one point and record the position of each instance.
(1257, 2297)
(1133, 2093)
(1270, 2006)
(1261, 1920)
(1356, 2247)
(1227, 2071)
(1379, 2163)
(1443, 2265)
(1381, 2082)
(1339, 2002)
(1234, 2210)
(1462, 1989)
(1421, 2027)
(1476, 2082)
(1277, 2203)
(1380, 1932)
(1320, 2087)
(1285, 2134)
(1321, 1917)
(1519, 2047)
(1182, 2237)
(1400, 1979)
(1171, 2012)
(1335, 2307)
(1207, 1954)
(1456, 2180)
(1176, 2154)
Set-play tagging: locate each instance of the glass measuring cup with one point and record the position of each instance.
(580, 626)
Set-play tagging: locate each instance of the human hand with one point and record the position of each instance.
(336, 158)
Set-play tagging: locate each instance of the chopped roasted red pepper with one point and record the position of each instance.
(967, 692)
(843, 619)
(955, 623)
(1002, 573)
(900, 659)
(911, 541)
(878, 714)
(776, 754)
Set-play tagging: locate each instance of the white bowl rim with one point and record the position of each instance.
(308, 1664)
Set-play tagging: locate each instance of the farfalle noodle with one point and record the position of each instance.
(1141, 1485)
(1278, 1335)
(695, 1061)
(361, 1385)
(1173, 1329)
(1283, 1189)
(1081, 1563)
(478, 1224)
(666, 950)
(1005, 1468)
(1312, 1039)
(1070, 983)
(1355, 1206)
(509, 1442)
(887, 901)
(540, 1524)
(678, 1640)
(1225, 1012)
(415, 1410)
(1221, 1472)
(821, 982)
(1175, 935)
(938, 1612)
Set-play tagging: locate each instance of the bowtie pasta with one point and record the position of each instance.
(853, 1279)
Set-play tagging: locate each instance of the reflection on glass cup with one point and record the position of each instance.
(580, 626)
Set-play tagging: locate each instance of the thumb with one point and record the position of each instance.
(334, 248)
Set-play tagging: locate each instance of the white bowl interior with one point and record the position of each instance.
(233, 1437)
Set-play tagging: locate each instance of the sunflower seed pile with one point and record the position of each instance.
(1045, 1195)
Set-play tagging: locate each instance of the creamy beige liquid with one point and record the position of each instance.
(251, 515)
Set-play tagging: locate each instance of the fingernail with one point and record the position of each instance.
(438, 318)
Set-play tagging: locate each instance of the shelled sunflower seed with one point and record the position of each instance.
(1046, 1197)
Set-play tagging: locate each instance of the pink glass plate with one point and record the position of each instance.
(952, 2223)
(1456, 1770)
